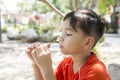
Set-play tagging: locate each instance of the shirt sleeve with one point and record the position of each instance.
(96, 73)
(96, 76)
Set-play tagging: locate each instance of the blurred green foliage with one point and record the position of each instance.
(65, 6)
(4, 29)
(95, 49)
(104, 4)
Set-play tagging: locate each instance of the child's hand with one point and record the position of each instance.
(30, 49)
(42, 56)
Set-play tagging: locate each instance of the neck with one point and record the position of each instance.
(79, 60)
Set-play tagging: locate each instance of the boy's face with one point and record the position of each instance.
(71, 42)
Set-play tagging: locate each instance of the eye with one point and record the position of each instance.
(69, 34)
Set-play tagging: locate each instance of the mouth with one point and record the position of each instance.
(60, 46)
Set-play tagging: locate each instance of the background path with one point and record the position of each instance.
(15, 65)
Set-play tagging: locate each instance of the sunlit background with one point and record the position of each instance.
(25, 22)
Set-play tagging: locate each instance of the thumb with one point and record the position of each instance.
(47, 45)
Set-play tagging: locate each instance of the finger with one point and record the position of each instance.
(41, 49)
(34, 54)
(27, 51)
(30, 46)
(38, 50)
(29, 55)
(37, 45)
(47, 45)
(46, 48)
(33, 46)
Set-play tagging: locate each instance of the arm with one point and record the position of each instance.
(48, 74)
(37, 72)
(43, 60)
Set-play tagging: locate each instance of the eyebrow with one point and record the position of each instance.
(66, 29)
(69, 29)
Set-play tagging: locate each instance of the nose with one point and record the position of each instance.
(61, 38)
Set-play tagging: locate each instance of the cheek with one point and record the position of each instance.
(72, 46)
(68, 42)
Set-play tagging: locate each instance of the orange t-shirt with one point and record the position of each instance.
(93, 69)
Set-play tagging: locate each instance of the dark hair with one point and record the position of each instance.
(89, 22)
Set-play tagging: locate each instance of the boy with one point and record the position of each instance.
(81, 30)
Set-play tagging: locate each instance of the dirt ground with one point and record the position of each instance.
(15, 65)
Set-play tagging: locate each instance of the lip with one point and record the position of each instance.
(60, 46)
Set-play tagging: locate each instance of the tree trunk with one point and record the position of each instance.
(53, 7)
(0, 29)
(74, 4)
(114, 23)
(15, 21)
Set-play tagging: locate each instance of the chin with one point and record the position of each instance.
(64, 52)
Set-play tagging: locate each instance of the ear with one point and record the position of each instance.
(89, 42)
